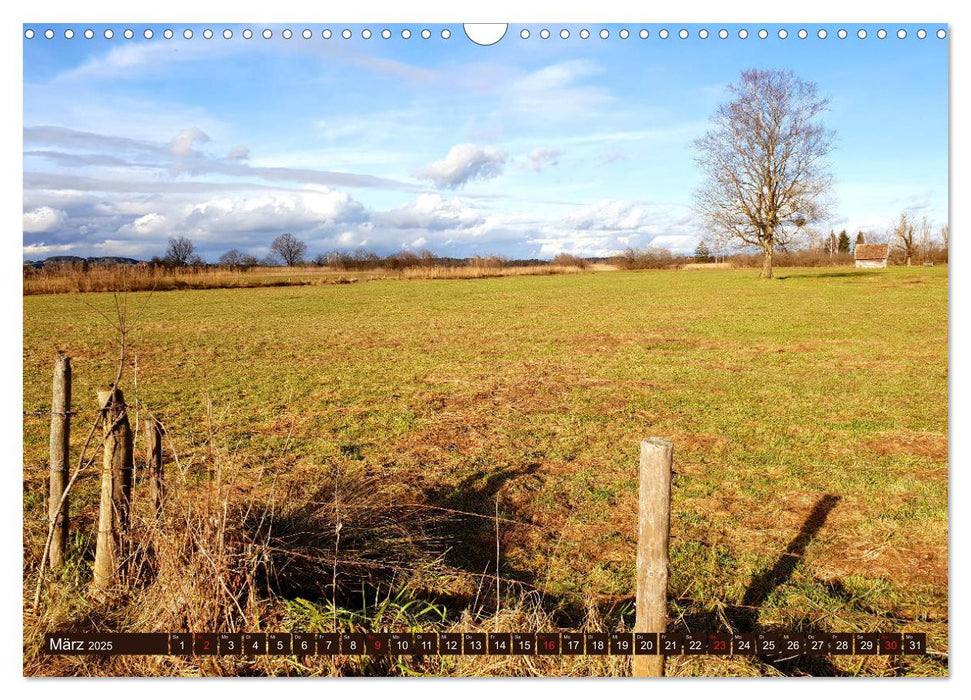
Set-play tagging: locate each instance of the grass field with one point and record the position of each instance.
(809, 416)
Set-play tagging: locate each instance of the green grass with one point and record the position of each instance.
(537, 389)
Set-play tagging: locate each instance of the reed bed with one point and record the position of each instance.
(80, 279)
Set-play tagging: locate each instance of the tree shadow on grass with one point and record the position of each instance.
(838, 275)
(470, 529)
(765, 582)
(744, 617)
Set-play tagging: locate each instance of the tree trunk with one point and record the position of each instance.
(767, 259)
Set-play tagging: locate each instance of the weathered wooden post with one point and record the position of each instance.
(156, 476)
(653, 531)
(116, 482)
(57, 505)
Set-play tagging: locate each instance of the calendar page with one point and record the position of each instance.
(526, 349)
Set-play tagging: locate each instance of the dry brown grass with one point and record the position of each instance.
(707, 266)
(230, 557)
(482, 271)
(76, 279)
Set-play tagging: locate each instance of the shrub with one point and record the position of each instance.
(650, 258)
(492, 262)
(568, 260)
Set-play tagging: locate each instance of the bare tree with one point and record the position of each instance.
(924, 238)
(904, 237)
(231, 258)
(236, 258)
(831, 244)
(813, 242)
(720, 244)
(180, 252)
(764, 158)
(945, 234)
(290, 249)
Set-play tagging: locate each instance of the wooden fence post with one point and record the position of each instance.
(653, 531)
(156, 476)
(57, 511)
(116, 482)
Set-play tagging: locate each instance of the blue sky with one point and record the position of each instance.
(525, 148)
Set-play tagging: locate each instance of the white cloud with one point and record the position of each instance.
(463, 163)
(238, 153)
(611, 225)
(327, 219)
(431, 212)
(557, 92)
(127, 61)
(36, 251)
(586, 246)
(125, 248)
(43, 219)
(683, 243)
(610, 215)
(57, 198)
(556, 76)
(275, 212)
(612, 156)
(149, 224)
(183, 142)
(62, 137)
(542, 158)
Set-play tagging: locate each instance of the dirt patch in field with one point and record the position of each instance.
(450, 435)
(768, 349)
(932, 445)
(596, 383)
(908, 565)
(606, 343)
(700, 442)
(599, 343)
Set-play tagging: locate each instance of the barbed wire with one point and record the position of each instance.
(42, 413)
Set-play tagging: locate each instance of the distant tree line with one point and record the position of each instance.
(911, 241)
(288, 250)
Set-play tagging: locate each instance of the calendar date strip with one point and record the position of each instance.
(769, 644)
